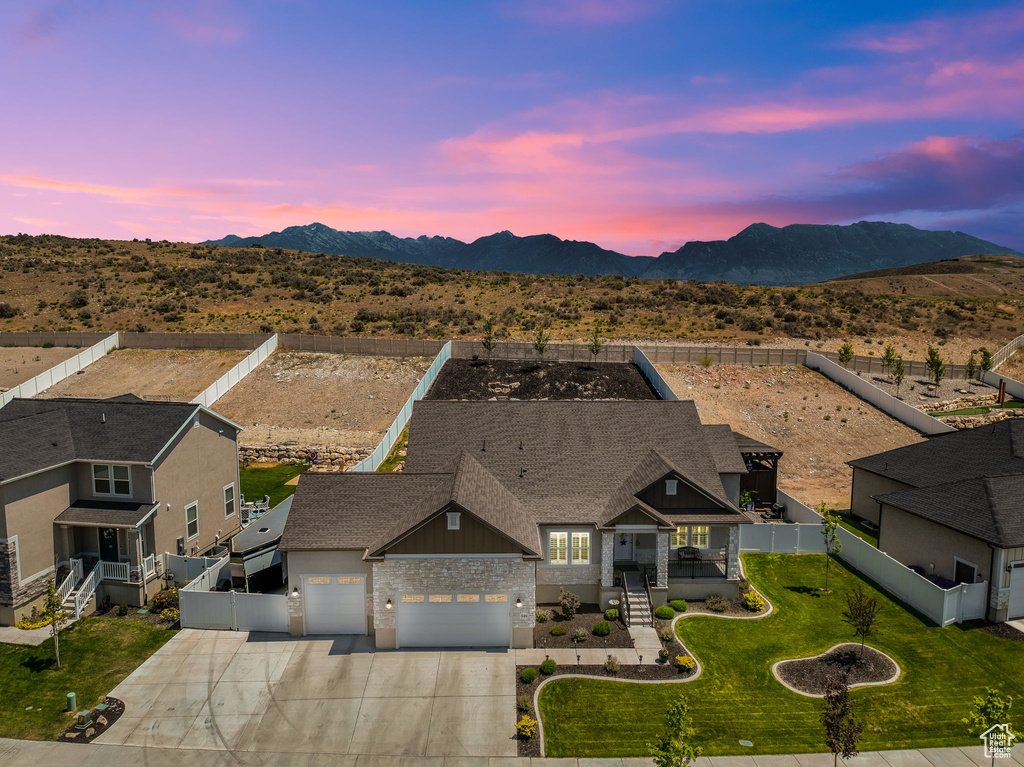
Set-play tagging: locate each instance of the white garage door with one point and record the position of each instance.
(1016, 593)
(454, 620)
(334, 604)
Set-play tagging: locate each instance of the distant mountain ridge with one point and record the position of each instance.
(759, 255)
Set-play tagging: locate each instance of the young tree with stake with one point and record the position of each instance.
(889, 355)
(845, 354)
(861, 612)
(595, 339)
(53, 613)
(830, 532)
(540, 340)
(986, 362)
(841, 730)
(988, 710)
(899, 372)
(935, 365)
(672, 749)
(971, 368)
(488, 341)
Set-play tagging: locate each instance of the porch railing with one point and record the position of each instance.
(698, 568)
(72, 580)
(114, 571)
(86, 590)
(149, 566)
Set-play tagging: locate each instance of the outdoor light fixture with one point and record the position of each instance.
(295, 591)
(519, 602)
(388, 606)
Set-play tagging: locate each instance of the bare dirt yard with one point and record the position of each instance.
(515, 379)
(20, 363)
(817, 423)
(322, 400)
(174, 374)
(1012, 368)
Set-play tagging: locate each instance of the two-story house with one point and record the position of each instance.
(501, 504)
(101, 489)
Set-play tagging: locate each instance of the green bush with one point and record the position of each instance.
(611, 665)
(666, 635)
(611, 614)
(528, 674)
(558, 631)
(716, 603)
(569, 602)
(548, 667)
(665, 613)
(579, 635)
(541, 615)
(602, 629)
(679, 605)
(123, 608)
(163, 600)
(524, 703)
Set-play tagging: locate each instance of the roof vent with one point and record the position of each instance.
(103, 417)
(263, 530)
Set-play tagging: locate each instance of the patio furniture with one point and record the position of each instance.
(688, 552)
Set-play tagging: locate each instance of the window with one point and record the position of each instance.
(318, 580)
(111, 480)
(348, 580)
(192, 521)
(558, 548)
(469, 598)
(581, 548)
(678, 538)
(440, 597)
(699, 537)
(496, 598)
(671, 486)
(453, 520)
(412, 597)
(229, 500)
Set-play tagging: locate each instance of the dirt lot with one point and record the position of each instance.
(787, 407)
(20, 363)
(322, 400)
(1012, 368)
(175, 374)
(513, 379)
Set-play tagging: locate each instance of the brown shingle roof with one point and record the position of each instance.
(105, 513)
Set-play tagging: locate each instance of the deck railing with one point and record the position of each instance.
(114, 571)
(698, 568)
(86, 590)
(149, 566)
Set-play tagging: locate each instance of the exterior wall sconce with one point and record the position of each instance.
(295, 591)
(388, 605)
(519, 602)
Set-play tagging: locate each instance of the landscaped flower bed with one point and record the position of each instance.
(863, 665)
(586, 619)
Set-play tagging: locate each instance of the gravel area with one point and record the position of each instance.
(20, 363)
(326, 400)
(168, 374)
(787, 408)
(920, 391)
(809, 675)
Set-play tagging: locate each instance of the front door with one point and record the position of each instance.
(624, 547)
(108, 544)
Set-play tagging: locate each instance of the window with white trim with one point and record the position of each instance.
(581, 548)
(192, 521)
(558, 548)
(699, 536)
(678, 538)
(671, 486)
(110, 479)
(229, 501)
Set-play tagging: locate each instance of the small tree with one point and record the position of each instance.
(672, 749)
(540, 340)
(986, 361)
(569, 602)
(988, 710)
(53, 613)
(889, 356)
(841, 730)
(595, 339)
(830, 532)
(971, 368)
(845, 354)
(488, 341)
(935, 365)
(861, 612)
(899, 372)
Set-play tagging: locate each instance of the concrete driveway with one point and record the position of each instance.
(269, 693)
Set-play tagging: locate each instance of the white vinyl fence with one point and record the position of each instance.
(60, 371)
(1007, 351)
(870, 393)
(962, 603)
(226, 382)
(653, 376)
(203, 608)
(372, 461)
(185, 569)
(1013, 387)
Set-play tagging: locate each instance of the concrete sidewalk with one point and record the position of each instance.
(29, 753)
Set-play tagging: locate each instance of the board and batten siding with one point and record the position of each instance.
(686, 497)
(472, 537)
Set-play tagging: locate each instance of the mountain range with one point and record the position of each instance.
(759, 255)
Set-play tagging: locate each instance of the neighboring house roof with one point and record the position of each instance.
(264, 530)
(42, 433)
(750, 445)
(105, 513)
(988, 508)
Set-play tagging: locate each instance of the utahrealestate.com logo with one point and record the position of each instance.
(998, 741)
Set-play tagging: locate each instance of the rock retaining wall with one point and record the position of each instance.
(333, 457)
(971, 400)
(974, 421)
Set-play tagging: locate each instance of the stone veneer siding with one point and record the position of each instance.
(450, 574)
(13, 591)
(662, 562)
(607, 560)
(733, 553)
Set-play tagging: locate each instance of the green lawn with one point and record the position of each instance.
(269, 481)
(851, 524)
(980, 410)
(96, 654)
(737, 697)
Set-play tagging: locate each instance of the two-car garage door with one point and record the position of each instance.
(334, 604)
(1016, 609)
(453, 620)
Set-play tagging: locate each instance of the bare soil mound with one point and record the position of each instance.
(809, 675)
(517, 380)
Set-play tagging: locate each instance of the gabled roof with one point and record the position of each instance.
(988, 508)
(51, 432)
(749, 445)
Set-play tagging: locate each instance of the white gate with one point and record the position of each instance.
(261, 612)
(234, 611)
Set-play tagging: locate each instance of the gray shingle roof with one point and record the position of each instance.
(750, 445)
(51, 432)
(105, 513)
(989, 508)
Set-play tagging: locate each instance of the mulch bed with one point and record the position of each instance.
(585, 618)
(660, 672)
(809, 675)
(1001, 630)
(101, 722)
(734, 608)
(479, 380)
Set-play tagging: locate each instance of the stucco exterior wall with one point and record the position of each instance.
(301, 563)
(867, 484)
(915, 541)
(141, 485)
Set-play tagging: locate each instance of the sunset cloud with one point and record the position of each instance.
(586, 12)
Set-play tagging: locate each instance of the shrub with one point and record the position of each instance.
(602, 629)
(122, 609)
(524, 703)
(569, 602)
(665, 613)
(558, 631)
(744, 585)
(541, 615)
(528, 675)
(685, 663)
(753, 602)
(548, 666)
(716, 603)
(8, 312)
(666, 635)
(611, 665)
(164, 599)
(171, 614)
(579, 635)
(611, 614)
(679, 605)
(526, 727)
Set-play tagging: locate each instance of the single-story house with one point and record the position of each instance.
(108, 486)
(502, 504)
(952, 509)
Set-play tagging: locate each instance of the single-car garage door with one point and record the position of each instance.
(1016, 593)
(454, 620)
(334, 604)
